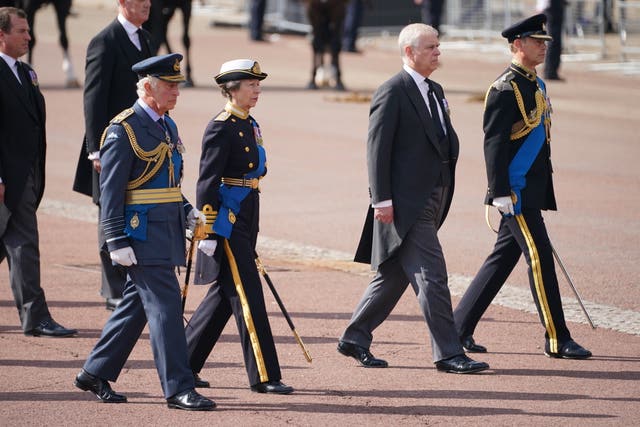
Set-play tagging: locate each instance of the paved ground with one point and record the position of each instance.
(314, 200)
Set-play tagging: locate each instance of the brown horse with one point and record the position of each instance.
(62, 9)
(161, 13)
(326, 18)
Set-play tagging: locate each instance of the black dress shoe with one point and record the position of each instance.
(361, 354)
(470, 346)
(190, 400)
(461, 364)
(569, 350)
(274, 387)
(112, 303)
(51, 328)
(101, 388)
(200, 383)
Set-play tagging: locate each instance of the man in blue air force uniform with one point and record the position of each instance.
(517, 120)
(144, 215)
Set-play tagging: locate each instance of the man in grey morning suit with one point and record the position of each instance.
(411, 160)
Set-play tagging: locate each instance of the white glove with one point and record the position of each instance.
(193, 215)
(208, 246)
(124, 256)
(504, 204)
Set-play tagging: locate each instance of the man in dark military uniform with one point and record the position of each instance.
(144, 215)
(232, 162)
(517, 119)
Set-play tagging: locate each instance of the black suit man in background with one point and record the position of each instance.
(22, 166)
(109, 88)
(412, 150)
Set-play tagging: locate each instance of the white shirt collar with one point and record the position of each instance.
(11, 62)
(128, 26)
(131, 30)
(154, 116)
(416, 76)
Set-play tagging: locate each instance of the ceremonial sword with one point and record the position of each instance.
(264, 273)
(564, 270)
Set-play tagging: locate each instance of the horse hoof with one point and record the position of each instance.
(72, 84)
(189, 83)
(312, 85)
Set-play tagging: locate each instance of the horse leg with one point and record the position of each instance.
(167, 14)
(314, 14)
(186, 40)
(62, 8)
(336, 24)
(30, 7)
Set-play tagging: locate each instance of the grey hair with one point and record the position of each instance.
(410, 36)
(153, 81)
(227, 87)
(5, 17)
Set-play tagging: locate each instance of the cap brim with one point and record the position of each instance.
(172, 79)
(541, 36)
(238, 75)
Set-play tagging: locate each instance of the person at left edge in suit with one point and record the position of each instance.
(109, 88)
(412, 151)
(144, 215)
(232, 162)
(22, 168)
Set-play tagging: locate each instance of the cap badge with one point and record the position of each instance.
(256, 68)
(176, 66)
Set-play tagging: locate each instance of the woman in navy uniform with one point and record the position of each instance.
(517, 121)
(144, 215)
(231, 165)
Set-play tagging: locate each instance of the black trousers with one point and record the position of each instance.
(521, 234)
(222, 300)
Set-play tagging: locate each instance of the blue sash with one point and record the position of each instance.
(232, 196)
(137, 229)
(526, 155)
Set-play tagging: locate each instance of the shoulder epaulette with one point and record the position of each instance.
(122, 115)
(222, 117)
(504, 82)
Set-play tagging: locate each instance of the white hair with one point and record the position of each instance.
(411, 34)
(153, 81)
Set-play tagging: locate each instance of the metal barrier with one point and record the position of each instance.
(584, 29)
(629, 22)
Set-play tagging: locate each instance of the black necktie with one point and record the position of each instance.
(433, 107)
(24, 77)
(143, 44)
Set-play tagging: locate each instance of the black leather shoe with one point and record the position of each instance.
(361, 354)
(569, 350)
(112, 303)
(200, 383)
(190, 400)
(461, 364)
(51, 328)
(101, 388)
(274, 387)
(470, 346)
